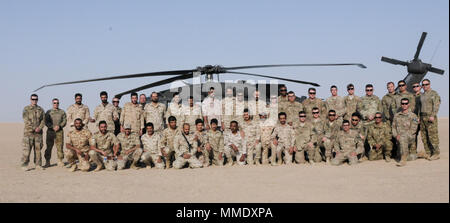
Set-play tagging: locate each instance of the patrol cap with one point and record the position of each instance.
(127, 126)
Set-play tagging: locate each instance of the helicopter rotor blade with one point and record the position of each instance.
(436, 70)
(279, 78)
(419, 46)
(160, 73)
(394, 61)
(155, 84)
(295, 65)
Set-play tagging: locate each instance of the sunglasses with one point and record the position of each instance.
(378, 117)
(312, 92)
(355, 120)
(115, 101)
(315, 112)
(405, 103)
(350, 88)
(283, 90)
(425, 84)
(416, 86)
(34, 99)
(369, 89)
(402, 85)
(331, 114)
(56, 103)
(302, 116)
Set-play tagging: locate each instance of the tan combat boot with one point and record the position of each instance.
(73, 167)
(311, 162)
(39, 167)
(434, 157)
(388, 159)
(328, 161)
(402, 161)
(24, 168)
(60, 163)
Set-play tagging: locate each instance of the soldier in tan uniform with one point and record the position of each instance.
(212, 108)
(104, 147)
(33, 118)
(273, 109)
(292, 108)
(167, 139)
(241, 104)
(234, 145)
(78, 110)
(142, 101)
(115, 103)
(255, 106)
(282, 100)
(105, 112)
(283, 140)
(304, 139)
(317, 123)
(190, 113)
(379, 136)
(78, 147)
(330, 129)
(351, 102)
(151, 141)
(185, 149)
(404, 129)
(357, 126)
(130, 148)
(200, 139)
(155, 113)
(430, 102)
(346, 145)
(132, 115)
(311, 102)
(214, 144)
(250, 130)
(265, 131)
(55, 120)
(175, 108)
(228, 108)
(336, 103)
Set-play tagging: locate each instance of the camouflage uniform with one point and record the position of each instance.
(215, 140)
(33, 117)
(152, 150)
(282, 101)
(155, 114)
(212, 108)
(387, 102)
(397, 105)
(368, 107)
(55, 117)
(417, 112)
(106, 113)
(379, 134)
(337, 103)
(181, 147)
(346, 146)
(167, 139)
(132, 115)
(228, 111)
(229, 138)
(175, 110)
(189, 115)
(351, 103)
(78, 111)
(117, 122)
(201, 142)
(405, 126)
(309, 104)
(362, 133)
(285, 135)
(318, 130)
(304, 134)
(126, 144)
(105, 143)
(256, 107)
(251, 134)
(80, 140)
(239, 111)
(273, 110)
(292, 109)
(330, 130)
(265, 132)
(430, 102)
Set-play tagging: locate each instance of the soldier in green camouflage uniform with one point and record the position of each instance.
(317, 123)
(304, 139)
(404, 128)
(351, 102)
(78, 110)
(130, 148)
(379, 137)
(430, 102)
(105, 112)
(167, 137)
(346, 145)
(311, 102)
(104, 145)
(330, 129)
(78, 147)
(214, 144)
(33, 118)
(336, 103)
(357, 126)
(292, 108)
(250, 130)
(387, 102)
(403, 93)
(55, 120)
(185, 149)
(151, 142)
(417, 93)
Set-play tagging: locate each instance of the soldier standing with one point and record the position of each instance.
(255, 106)
(330, 129)
(142, 101)
(105, 112)
(78, 147)
(403, 93)
(104, 146)
(273, 109)
(292, 109)
(417, 93)
(304, 139)
(168, 136)
(234, 145)
(336, 103)
(214, 144)
(379, 137)
(78, 110)
(387, 102)
(130, 148)
(190, 113)
(175, 108)
(265, 131)
(228, 108)
(55, 120)
(33, 118)
(152, 148)
(351, 102)
(132, 115)
(346, 145)
(317, 123)
(241, 104)
(404, 127)
(283, 140)
(116, 102)
(211, 108)
(282, 100)
(430, 102)
(250, 130)
(185, 149)
(155, 112)
(311, 102)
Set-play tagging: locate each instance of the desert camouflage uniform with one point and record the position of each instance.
(189, 115)
(304, 134)
(55, 117)
(430, 102)
(155, 114)
(405, 126)
(337, 104)
(175, 110)
(273, 110)
(228, 111)
(379, 134)
(256, 107)
(126, 144)
(239, 111)
(167, 139)
(106, 113)
(132, 115)
(212, 108)
(117, 122)
(152, 150)
(362, 133)
(78, 111)
(309, 104)
(80, 140)
(330, 130)
(387, 102)
(346, 146)
(292, 109)
(265, 131)
(201, 142)
(33, 117)
(181, 147)
(318, 130)
(351, 103)
(285, 135)
(105, 143)
(251, 132)
(229, 138)
(215, 140)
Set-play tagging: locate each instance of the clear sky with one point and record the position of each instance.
(44, 42)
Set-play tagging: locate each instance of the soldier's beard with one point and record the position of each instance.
(155, 101)
(104, 101)
(78, 102)
(78, 127)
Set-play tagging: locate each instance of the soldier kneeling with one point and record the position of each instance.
(347, 145)
(185, 149)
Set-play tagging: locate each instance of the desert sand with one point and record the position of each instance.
(370, 181)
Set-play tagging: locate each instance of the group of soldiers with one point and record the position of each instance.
(234, 131)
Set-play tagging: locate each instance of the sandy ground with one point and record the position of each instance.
(377, 181)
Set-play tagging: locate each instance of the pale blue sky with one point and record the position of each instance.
(54, 41)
